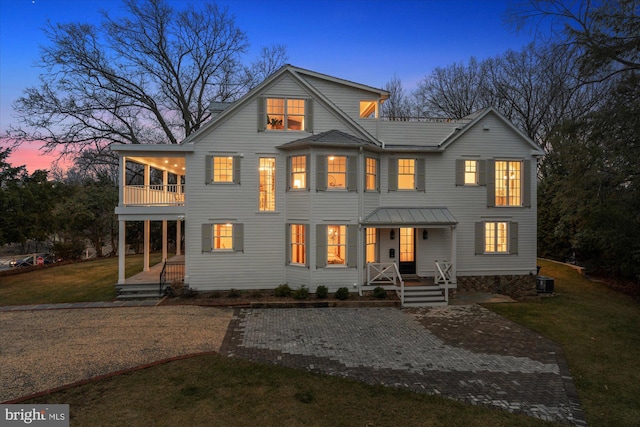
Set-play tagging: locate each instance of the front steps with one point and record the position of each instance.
(140, 291)
(423, 296)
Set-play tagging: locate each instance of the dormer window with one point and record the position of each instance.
(369, 109)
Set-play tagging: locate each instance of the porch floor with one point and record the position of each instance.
(152, 276)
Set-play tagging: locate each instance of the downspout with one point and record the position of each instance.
(361, 186)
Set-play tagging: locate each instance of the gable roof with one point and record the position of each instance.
(477, 117)
(331, 138)
(295, 73)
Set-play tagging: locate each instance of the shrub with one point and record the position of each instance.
(379, 292)
(282, 291)
(301, 293)
(233, 293)
(342, 293)
(322, 291)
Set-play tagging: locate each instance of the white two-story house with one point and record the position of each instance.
(302, 182)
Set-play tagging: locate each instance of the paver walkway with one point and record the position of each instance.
(465, 353)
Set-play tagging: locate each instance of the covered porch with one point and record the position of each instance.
(411, 250)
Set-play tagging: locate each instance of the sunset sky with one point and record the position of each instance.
(366, 41)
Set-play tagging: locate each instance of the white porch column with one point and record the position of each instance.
(147, 182)
(165, 186)
(123, 181)
(164, 240)
(147, 242)
(454, 253)
(122, 249)
(178, 237)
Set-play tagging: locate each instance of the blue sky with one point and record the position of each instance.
(366, 41)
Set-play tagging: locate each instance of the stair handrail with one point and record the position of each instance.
(163, 277)
(443, 273)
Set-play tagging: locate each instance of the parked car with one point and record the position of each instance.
(27, 261)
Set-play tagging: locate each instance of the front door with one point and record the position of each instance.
(407, 251)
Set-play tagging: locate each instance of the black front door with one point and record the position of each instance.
(407, 251)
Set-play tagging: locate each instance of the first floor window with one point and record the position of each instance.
(267, 189)
(496, 237)
(222, 237)
(336, 244)
(371, 245)
(298, 244)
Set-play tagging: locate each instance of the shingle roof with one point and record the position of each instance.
(329, 138)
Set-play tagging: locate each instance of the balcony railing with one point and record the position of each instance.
(154, 195)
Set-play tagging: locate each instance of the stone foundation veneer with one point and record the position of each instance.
(515, 286)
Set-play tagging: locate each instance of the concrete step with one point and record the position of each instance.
(140, 295)
(425, 304)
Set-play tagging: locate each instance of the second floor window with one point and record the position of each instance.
(470, 172)
(371, 177)
(267, 190)
(222, 169)
(298, 172)
(508, 181)
(406, 174)
(337, 172)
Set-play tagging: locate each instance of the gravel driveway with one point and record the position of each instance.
(45, 349)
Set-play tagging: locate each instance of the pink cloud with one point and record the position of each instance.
(31, 156)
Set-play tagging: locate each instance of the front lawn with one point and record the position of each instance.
(599, 330)
(80, 282)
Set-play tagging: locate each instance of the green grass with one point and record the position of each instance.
(214, 390)
(80, 282)
(599, 330)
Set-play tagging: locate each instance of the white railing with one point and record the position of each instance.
(158, 195)
(386, 274)
(444, 270)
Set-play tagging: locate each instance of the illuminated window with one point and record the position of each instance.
(337, 172)
(336, 244)
(407, 245)
(267, 175)
(470, 172)
(371, 245)
(495, 237)
(298, 244)
(285, 114)
(222, 237)
(508, 183)
(222, 169)
(406, 174)
(371, 174)
(298, 172)
(368, 109)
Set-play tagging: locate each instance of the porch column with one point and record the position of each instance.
(165, 186)
(454, 253)
(164, 240)
(122, 248)
(147, 238)
(147, 182)
(178, 237)
(123, 181)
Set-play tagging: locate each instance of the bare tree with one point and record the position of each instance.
(535, 88)
(145, 77)
(453, 92)
(398, 105)
(606, 32)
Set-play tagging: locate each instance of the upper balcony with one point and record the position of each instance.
(152, 180)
